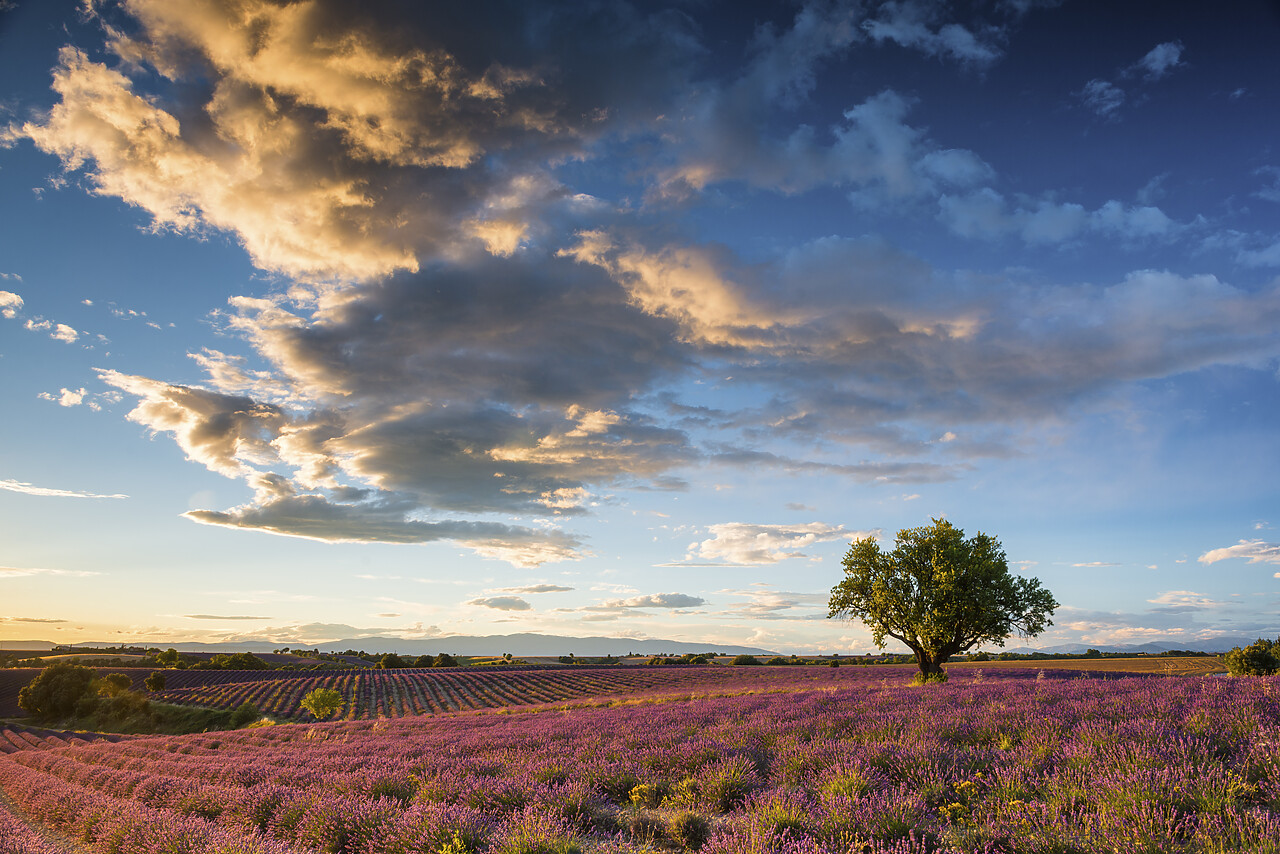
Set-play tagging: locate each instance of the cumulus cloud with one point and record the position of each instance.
(465, 347)
(745, 543)
(65, 396)
(10, 304)
(32, 489)
(502, 603)
(985, 213)
(1253, 551)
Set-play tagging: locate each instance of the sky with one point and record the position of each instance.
(332, 320)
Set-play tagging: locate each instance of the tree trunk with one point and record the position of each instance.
(930, 665)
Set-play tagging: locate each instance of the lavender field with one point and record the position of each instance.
(862, 764)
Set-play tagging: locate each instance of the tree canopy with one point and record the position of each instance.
(939, 594)
(57, 691)
(322, 702)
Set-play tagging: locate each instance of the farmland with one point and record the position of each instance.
(848, 759)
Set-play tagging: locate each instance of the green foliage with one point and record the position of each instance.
(1260, 658)
(390, 661)
(939, 594)
(690, 830)
(322, 702)
(234, 661)
(113, 684)
(444, 659)
(154, 682)
(245, 713)
(745, 659)
(57, 691)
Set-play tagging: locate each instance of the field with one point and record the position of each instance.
(852, 760)
(1155, 664)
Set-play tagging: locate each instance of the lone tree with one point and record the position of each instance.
(939, 594)
(322, 702)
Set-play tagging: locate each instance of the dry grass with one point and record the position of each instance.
(1190, 666)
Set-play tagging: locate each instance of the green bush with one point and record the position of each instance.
(57, 691)
(113, 684)
(690, 830)
(1257, 659)
(154, 682)
(245, 713)
(444, 659)
(745, 659)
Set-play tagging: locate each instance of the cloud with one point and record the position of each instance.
(536, 588)
(30, 489)
(1161, 60)
(503, 603)
(29, 620)
(764, 603)
(1095, 563)
(742, 543)
(10, 304)
(910, 24)
(985, 213)
(1253, 551)
(465, 347)
(653, 600)
(222, 617)
(65, 397)
(23, 572)
(1102, 97)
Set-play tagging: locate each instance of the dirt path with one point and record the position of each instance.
(52, 841)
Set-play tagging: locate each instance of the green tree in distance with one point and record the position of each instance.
(322, 702)
(1257, 659)
(939, 594)
(57, 690)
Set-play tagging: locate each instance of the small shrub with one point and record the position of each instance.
(648, 794)
(154, 682)
(646, 828)
(745, 659)
(929, 678)
(245, 713)
(690, 830)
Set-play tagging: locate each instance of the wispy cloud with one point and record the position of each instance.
(502, 603)
(31, 489)
(1253, 551)
(223, 617)
(22, 572)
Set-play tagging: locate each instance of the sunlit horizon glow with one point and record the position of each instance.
(626, 319)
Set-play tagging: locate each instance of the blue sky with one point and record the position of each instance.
(624, 319)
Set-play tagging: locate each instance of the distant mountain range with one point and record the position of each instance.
(529, 644)
(525, 644)
(1215, 645)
